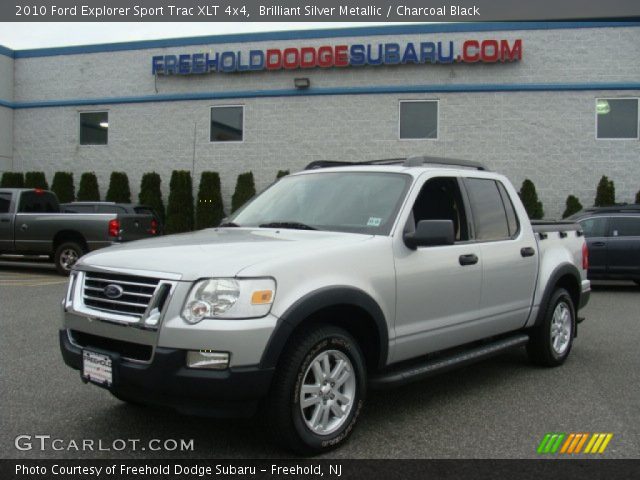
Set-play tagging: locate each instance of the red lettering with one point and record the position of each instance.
(325, 57)
(467, 56)
(489, 51)
(510, 54)
(274, 59)
(307, 57)
(291, 58)
(341, 58)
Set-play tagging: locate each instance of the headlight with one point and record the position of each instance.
(229, 298)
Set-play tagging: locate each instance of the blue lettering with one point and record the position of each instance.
(197, 63)
(156, 65)
(410, 54)
(228, 62)
(170, 62)
(184, 64)
(370, 59)
(356, 56)
(212, 62)
(391, 53)
(428, 52)
(441, 56)
(256, 60)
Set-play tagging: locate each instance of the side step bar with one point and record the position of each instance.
(414, 372)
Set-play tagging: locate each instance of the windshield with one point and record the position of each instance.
(358, 202)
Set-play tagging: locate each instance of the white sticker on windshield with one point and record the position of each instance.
(374, 222)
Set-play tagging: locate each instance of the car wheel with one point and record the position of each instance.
(637, 282)
(66, 256)
(318, 391)
(551, 342)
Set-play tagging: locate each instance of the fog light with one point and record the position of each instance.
(208, 359)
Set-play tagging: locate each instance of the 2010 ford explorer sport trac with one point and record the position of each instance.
(334, 280)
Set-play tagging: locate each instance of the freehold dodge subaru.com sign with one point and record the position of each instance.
(374, 54)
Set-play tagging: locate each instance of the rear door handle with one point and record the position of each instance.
(24, 226)
(5, 220)
(527, 251)
(470, 259)
(598, 244)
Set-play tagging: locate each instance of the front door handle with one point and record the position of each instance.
(24, 226)
(4, 220)
(527, 251)
(598, 244)
(470, 259)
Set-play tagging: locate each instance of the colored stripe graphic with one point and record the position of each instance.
(573, 443)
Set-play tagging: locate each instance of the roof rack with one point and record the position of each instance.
(624, 207)
(416, 161)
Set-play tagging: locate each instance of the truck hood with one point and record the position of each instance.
(214, 252)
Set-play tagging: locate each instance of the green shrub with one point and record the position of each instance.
(119, 190)
(12, 180)
(245, 189)
(529, 198)
(63, 187)
(573, 205)
(638, 197)
(282, 173)
(151, 194)
(180, 207)
(35, 180)
(88, 190)
(605, 193)
(209, 209)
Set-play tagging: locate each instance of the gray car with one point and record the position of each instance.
(334, 280)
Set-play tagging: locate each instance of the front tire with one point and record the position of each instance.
(318, 391)
(551, 341)
(66, 256)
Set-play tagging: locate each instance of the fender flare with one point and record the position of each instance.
(557, 274)
(316, 301)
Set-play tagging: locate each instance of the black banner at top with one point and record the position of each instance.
(313, 10)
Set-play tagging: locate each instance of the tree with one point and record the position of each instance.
(209, 209)
(36, 180)
(638, 197)
(529, 198)
(88, 190)
(180, 207)
(151, 194)
(573, 205)
(245, 189)
(605, 193)
(119, 190)
(282, 173)
(63, 187)
(12, 180)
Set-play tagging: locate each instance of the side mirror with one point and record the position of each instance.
(430, 233)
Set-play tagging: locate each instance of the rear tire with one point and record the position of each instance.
(318, 391)
(66, 256)
(551, 341)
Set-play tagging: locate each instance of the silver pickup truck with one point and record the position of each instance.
(31, 223)
(334, 280)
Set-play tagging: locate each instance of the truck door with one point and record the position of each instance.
(438, 288)
(32, 234)
(509, 258)
(623, 250)
(6, 223)
(596, 230)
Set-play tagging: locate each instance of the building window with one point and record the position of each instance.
(227, 123)
(94, 128)
(418, 119)
(617, 118)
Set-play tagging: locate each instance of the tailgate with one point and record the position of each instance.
(135, 227)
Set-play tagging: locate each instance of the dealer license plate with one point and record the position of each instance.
(97, 368)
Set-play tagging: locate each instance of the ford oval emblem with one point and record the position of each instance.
(113, 291)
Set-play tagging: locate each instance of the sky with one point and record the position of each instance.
(19, 36)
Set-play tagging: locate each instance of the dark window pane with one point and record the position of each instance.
(488, 210)
(5, 201)
(418, 119)
(625, 227)
(33, 202)
(512, 218)
(226, 124)
(440, 199)
(594, 227)
(617, 118)
(94, 128)
(70, 208)
(111, 209)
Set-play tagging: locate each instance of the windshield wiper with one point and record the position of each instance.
(292, 225)
(228, 224)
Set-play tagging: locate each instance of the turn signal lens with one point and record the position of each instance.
(114, 228)
(262, 297)
(585, 256)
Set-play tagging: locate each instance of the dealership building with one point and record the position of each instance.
(554, 102)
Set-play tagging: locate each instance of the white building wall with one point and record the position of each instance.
(6, 114)
(547, 136)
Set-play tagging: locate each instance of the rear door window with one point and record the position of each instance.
(489, 215)
(111, 209)
(594, 227)
(625, 227)
(38, 202)
(5, 202)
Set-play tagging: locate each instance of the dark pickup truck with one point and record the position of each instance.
(32, 223)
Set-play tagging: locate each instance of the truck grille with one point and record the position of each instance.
(134, 300)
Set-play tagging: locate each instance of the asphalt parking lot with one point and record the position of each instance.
(497, 409)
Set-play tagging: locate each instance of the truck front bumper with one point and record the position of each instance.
(166, 381)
